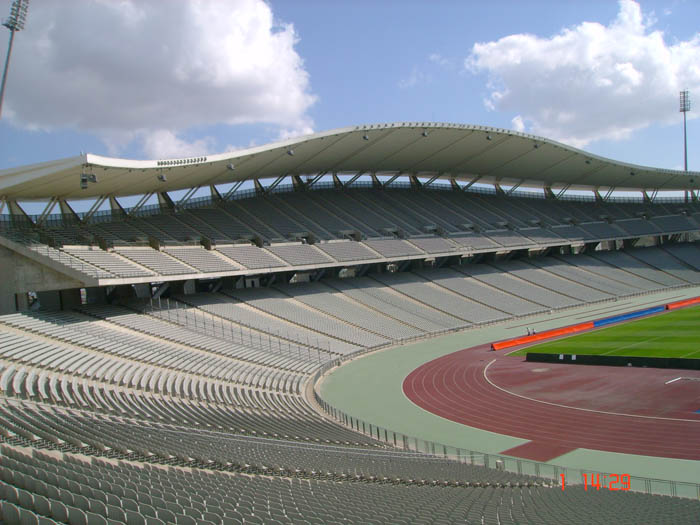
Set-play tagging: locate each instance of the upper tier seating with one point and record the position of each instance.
(395, 222)
(299, 254)
(250, 256)
(203, 260)
(345, 251)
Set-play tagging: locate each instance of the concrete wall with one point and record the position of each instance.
(19, 275)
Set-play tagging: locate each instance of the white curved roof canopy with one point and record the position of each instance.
(455, 151)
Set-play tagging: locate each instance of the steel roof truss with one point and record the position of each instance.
(514, 187)
(432, 179)
(354, 178)
(562, 191)
(315, 179)
(185, 199)
(275, 183)
(95, 206)
(392, 179)
(47, 210)
(233, 189)
(473, 181)
(142, 201)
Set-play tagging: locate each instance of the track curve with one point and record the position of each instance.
(560, 408)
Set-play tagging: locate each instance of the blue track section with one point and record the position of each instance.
(628, 316)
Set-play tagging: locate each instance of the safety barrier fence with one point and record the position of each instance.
(197, 321)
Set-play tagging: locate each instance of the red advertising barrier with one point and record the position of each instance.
(541, 336)
(681, 304)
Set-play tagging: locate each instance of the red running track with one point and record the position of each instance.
(560, 408)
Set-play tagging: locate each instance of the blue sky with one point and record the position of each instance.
(132, 79)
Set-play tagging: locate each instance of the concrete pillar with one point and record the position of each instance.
(22, 302)
(7, 285)
(7, 302)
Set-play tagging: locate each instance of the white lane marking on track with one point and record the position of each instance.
(578, 408)
(672, 381)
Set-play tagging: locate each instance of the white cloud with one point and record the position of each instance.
(590, 81)
(438, 59)
(415, 77)
(518, 123)
(140, 70)
(163, 144)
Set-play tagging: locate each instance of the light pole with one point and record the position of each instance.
(18, 15)
(685, 107)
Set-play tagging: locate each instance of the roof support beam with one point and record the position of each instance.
(215, 195)
(115, 206)
(3, 202)
(453, 183)
(649, 198)
(16, 209)
(185, 199)
(608, 193)
(514, 187)
(317, 178)
(142, 201)
(47, 210)
(165, 202)
(469, 184)
(597, 195)
(391, 179)
(548, 193)
(95, 207)
(259, 188)
(275, 183)
(563, 191)
(432, 179)
(499, 190)
(354, 178)
(376, 183)
(336, 181)
(298, 183)
(68, 211)
(233, 190)
(415, 183)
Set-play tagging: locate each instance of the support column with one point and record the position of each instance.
(22, 302)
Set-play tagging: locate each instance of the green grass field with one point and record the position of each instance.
(672, 334)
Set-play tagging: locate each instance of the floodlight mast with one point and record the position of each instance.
(18, 16)
(685, 107)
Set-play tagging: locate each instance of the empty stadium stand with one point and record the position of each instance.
(182, 392)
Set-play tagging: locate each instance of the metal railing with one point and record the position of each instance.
(405, 442)
(211, 325)
(572, 476)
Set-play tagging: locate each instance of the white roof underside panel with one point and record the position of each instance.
(422, 149)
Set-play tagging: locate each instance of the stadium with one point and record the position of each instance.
(310, 341)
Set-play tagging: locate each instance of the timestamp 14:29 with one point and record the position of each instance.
(609, 481)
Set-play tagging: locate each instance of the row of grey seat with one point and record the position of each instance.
(372, 311)
(40, 488)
